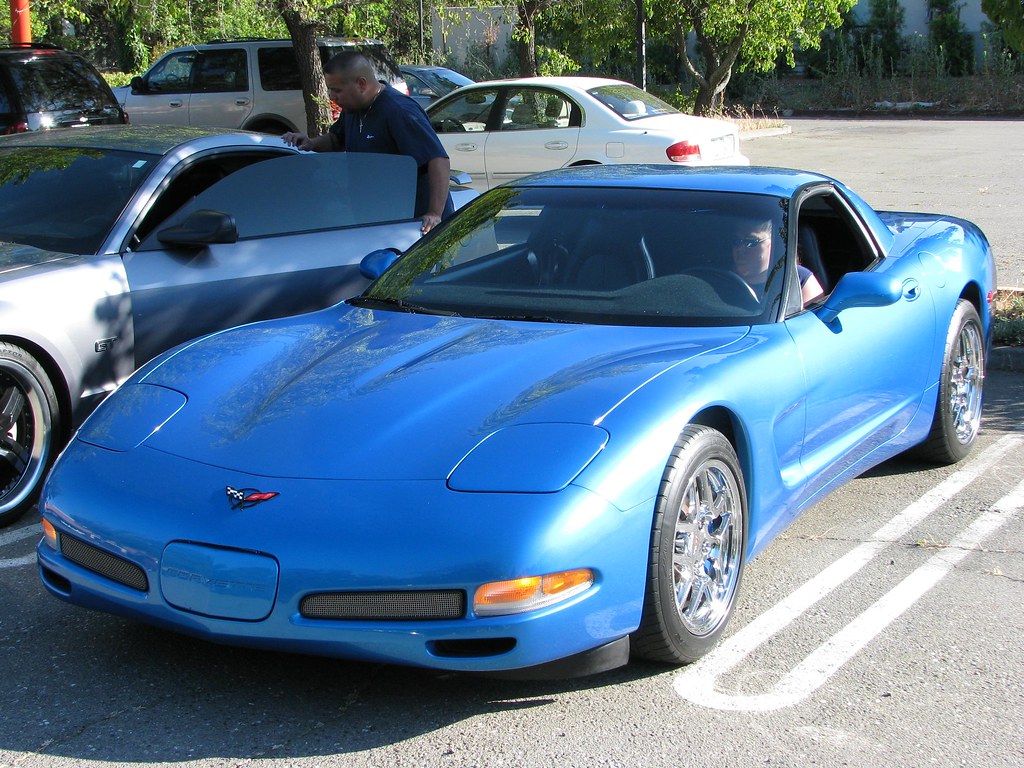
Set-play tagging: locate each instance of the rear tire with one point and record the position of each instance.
(698, 548)
(957, 416)
(29, 426)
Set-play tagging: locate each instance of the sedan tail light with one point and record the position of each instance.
(683, 152)
(17, 128)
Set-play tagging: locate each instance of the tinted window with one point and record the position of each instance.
(222, 71)
(279, 70)
(92, 185)
(597, 255)
(62, 85)
(325, 191)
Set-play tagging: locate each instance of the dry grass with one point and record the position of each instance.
(1008, 318)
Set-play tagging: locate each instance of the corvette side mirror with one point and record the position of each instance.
(375, 263)
(860, 289)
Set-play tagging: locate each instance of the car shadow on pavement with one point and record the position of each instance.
(112, 690)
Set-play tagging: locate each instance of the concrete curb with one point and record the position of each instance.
(1006, 359)
(758, 133)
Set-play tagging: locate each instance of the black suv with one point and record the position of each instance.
(43, 86)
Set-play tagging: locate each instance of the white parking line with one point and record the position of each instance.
(697, 682)
(21, 533)
(13, 536)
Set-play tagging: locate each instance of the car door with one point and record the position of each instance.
(866, 368)
(295, 251)
(222, 94)
(462, 124)
(163, 97)
(539, 130)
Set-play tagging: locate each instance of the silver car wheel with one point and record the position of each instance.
(707, 548)
(697, 551)
(966, 376)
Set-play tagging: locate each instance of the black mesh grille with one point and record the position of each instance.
(103, 563)
(386, 606)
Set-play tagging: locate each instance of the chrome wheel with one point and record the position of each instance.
(706, 561)
(965, 387)
(957, 416)
(698, 549)
(27, 426)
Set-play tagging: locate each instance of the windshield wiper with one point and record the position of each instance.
(400, 304)
(531, 319)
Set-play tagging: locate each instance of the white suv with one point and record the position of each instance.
(248, 83)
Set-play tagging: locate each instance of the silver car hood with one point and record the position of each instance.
(14, 257)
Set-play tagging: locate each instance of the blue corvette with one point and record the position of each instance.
(548, 436)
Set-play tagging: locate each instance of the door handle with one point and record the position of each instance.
(556, 145)
(175, 103)
(911, 289)
(241, 102)
(466, 147)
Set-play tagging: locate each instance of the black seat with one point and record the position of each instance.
(808, 253)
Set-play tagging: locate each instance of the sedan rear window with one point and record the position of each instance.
(92, 187)
(630, 102)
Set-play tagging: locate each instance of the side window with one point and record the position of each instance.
(279, 71)
(531, 109)
(222, 71)
(192, 180)
(172, 74)
(830, 241)
(5, 101)
(466, 113)
(416, 85)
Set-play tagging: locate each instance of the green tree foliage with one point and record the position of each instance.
(748, 34)
(947, 33)
(1008, 18)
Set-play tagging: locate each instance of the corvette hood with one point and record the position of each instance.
(386, 395)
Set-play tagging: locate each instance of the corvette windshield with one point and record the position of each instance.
(65, 198)
(610, 256)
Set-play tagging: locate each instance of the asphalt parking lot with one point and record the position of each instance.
(883, 628)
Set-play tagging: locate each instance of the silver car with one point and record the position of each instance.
(117, 243)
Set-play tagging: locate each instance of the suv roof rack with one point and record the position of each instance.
(222, 40)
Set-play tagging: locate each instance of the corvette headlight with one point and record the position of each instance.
(530, 592)
(130, 415)
(528, 458)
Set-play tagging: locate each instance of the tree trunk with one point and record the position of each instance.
(311, 70)
(526, 40)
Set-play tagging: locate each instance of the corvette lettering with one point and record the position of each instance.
(243, 498)
(214, 585)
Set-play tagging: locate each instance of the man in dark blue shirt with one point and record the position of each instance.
(377, 118)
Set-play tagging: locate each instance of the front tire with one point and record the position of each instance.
(957, 416)
(29, 425)
(698, 548)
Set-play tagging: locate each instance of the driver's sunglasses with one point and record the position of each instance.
(749, 242)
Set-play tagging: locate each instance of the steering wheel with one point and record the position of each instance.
(730, 287)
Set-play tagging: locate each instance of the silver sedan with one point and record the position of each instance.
(119, 243)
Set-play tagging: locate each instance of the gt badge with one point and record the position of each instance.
(242, 498)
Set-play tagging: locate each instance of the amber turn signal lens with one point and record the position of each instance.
(530, 592)
(49, 534)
